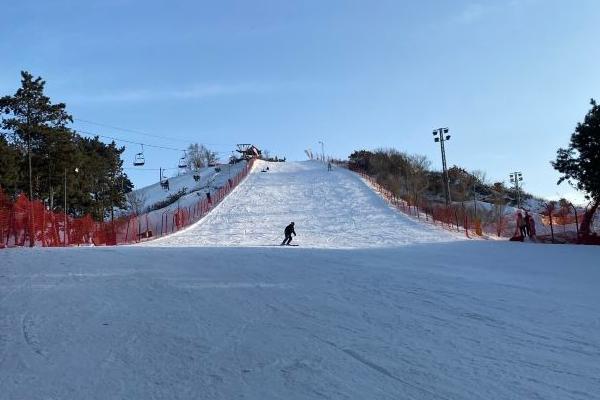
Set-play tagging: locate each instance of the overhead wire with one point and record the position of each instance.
(87, 133)
(149, 169)
(135, 131)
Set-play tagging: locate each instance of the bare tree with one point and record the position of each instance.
(136, 202)
(199, 156)
(195, 160)
(210, 157)
(417, 181)
(477, 180)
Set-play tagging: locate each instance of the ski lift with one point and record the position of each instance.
(183, 161)
(164, 182)
(139, 159)
(248, 151)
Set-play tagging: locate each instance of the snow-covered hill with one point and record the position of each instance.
(196, 184)
(330, 209)
(372, 305)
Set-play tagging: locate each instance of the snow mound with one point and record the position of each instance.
(330, 209)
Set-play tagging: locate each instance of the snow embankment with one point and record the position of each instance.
(195, 184)
(331, 210)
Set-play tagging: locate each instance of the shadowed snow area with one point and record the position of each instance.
(457, 320)
(331, 210)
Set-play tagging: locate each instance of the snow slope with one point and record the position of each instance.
(456, 320)
(331, 210)
(211, 180)
(373, 305)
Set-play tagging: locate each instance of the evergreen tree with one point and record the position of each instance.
(579, 163)
(41, 156)
(34, 121)
(10, 168)
(102, 179)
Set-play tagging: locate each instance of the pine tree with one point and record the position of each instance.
(41, 156)
(579, 163)
(33, 120)
(10, 168)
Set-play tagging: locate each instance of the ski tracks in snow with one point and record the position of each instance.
(331, 209)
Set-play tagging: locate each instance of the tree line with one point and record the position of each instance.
(41, 156)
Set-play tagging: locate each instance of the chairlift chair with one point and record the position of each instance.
(183, 161)
(139, 159)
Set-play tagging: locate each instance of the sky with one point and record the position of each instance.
(509, 78)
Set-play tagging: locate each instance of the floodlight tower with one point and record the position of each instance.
(516, 178)
(441, 136)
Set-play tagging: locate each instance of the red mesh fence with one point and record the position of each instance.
(30, 223)
(561, 227)
(454, 218)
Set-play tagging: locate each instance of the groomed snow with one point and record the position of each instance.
(372, 305)
(330, 209)
(456, 320)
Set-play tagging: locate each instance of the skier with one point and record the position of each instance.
(521, 224)
(329, 166)
(208, 198)
(288, 234)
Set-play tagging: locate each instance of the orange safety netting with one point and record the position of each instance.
(30, 223)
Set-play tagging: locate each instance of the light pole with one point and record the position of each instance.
(65, 209)
(516, 178)
(322, 150)
(441, 136)
(475, 196)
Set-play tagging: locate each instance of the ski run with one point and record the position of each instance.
(372, 304)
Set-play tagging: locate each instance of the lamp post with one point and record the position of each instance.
(516, 178)
(322, 150)
(441, 136)
(65, 209)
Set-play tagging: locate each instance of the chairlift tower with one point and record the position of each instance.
(441, 136)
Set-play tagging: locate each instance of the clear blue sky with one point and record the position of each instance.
(510, 78)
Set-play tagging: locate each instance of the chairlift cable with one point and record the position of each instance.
(145, 133)
(87, 133)
(126, 141)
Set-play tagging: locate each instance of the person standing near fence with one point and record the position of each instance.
(528, 220)
(521, 224)
(531, 227)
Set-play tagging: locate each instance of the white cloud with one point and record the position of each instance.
(471, 13)
(185, 93)
(475, 11)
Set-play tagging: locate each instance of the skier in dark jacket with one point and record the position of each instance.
(288, 234)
